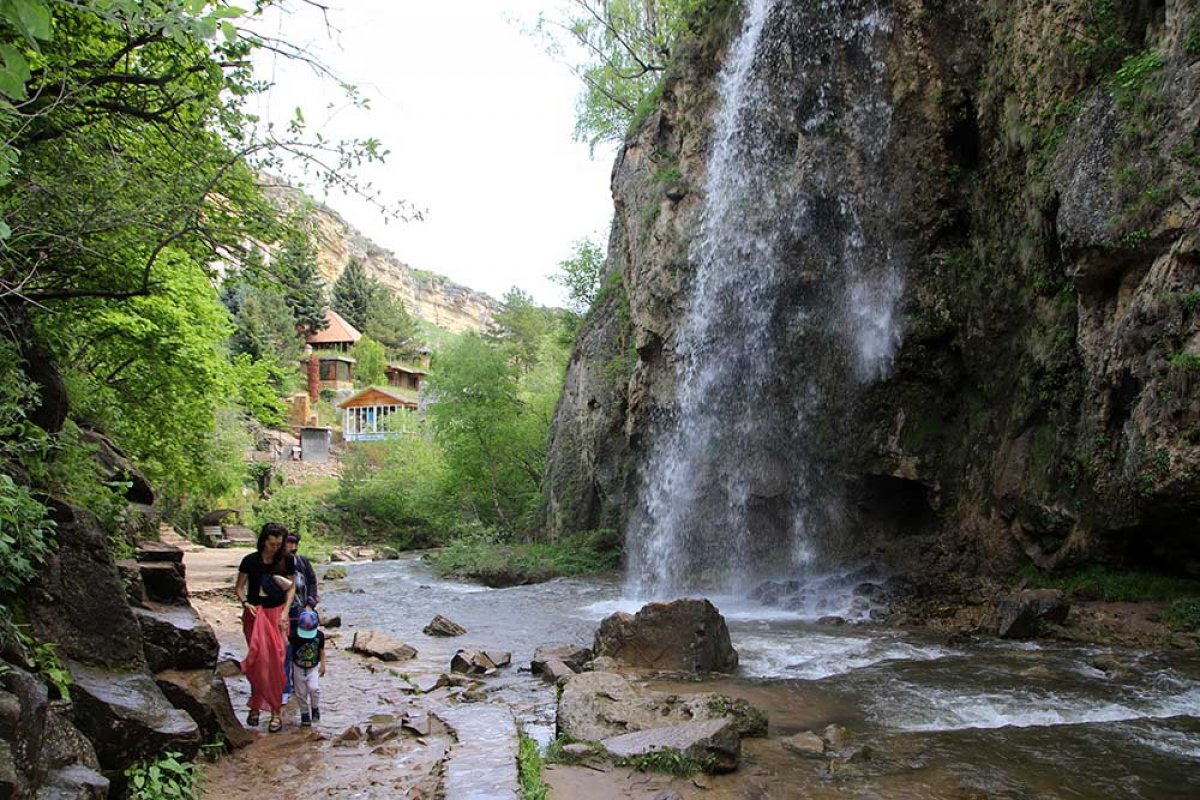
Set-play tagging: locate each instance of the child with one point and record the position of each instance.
(308, 664)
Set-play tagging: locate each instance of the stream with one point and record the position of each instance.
(984, 718)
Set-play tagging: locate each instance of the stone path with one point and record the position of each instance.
(359, 748)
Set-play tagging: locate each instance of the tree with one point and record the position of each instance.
(521, 325)
(620, 49)
(353, 292)
(370, 361)
(580, 275)
(476, 417)
(389, 323)
(304, 292)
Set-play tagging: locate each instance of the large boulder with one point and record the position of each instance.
(679, 636)
(79, 601)
(127, 717)
(203, 695)
(174, 637)
(573, 656)
(1024, 614)
(597, 705)
(713, 744)
(381, 646)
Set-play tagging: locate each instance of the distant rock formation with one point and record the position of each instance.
(429, 297)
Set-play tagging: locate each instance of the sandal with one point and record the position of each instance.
(275, 725)
(252, 718)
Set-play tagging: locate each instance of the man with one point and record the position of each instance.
(305, 598)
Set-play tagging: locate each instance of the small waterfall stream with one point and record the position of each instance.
(793, 281)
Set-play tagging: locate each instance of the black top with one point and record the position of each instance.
(268, 596)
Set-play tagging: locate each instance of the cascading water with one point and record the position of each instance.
(794, 276)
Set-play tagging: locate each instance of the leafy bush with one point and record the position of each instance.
(167, 778)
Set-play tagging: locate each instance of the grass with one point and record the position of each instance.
(529, 770)
(1182, 615)
(668, 761)
(1100, 583)
(496, 563)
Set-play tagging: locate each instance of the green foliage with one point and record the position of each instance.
(389, 323)
(477, 417)
(1187, 362)
(1134, 75)
(529, 770)
(580, 275)
(151, 372)
(1102, 40)
(619, 49)
(167, 778)
(486, 557)
(296, 267)
(1101, 583)
(370, 362)
(352, 293)
(398, 488)
(1191, 45)
(45, 661)
(1182, 615)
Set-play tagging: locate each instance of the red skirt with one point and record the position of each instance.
(263, 664)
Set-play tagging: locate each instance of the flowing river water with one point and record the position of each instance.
(974, 718)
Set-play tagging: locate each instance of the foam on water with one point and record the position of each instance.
(910, 707)
(814, 656)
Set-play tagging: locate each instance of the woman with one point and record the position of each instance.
(265, 586)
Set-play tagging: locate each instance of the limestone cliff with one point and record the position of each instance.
(1042, 171)
(429, 297)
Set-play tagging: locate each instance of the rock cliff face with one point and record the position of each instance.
(1042, 180)
(432, 298)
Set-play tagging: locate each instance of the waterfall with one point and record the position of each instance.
(792, 282)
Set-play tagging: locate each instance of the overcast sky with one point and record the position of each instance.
(479, 122)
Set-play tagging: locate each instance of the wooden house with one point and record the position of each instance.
(403, 376)
(365, 414)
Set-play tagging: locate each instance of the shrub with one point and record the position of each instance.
(167, 778)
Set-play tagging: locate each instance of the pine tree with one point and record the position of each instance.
(352, 294)
(295, 265)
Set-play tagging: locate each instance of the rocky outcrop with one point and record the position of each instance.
(127, 717)
(679, 636)
(174, 637)
(429, 297)
(594, 706)
(78, 586)
(1041, 408)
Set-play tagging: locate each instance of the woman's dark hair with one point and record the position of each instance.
(268, 530)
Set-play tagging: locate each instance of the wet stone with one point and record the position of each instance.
(381, 646)
(442, 626)
(806, 744)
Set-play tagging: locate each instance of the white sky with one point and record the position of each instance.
(479, 122)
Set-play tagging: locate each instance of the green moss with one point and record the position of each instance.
(493, 562)
(1187, 362)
